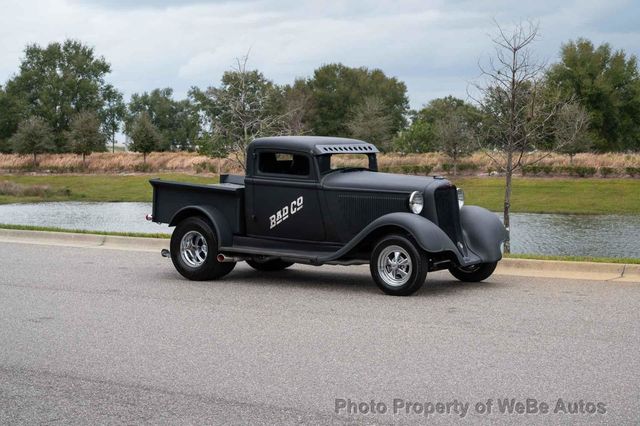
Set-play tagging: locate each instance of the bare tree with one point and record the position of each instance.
(569, 129)
(518, 107)
(454, 138)
(370, 122)
(245, 107)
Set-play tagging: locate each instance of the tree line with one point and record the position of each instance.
(59, 101)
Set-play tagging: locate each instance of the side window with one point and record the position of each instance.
(283, 163)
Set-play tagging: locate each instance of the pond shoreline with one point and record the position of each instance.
(606, 236)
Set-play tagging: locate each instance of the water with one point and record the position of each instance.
(554, 234)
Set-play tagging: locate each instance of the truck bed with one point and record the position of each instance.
(227, 197)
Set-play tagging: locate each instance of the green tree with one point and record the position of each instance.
(113, 113)
(56, 82)
(370, 122)
(337, 90)
(177, 121)
(417, 138)
(607, 84)
(145, 137)
(421, 135)
(85, 135)
(34, 136)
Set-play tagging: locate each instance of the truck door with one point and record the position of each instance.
(284, 193)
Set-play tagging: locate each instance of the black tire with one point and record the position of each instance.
(269, 265)
(381, 266)
(475, 273)
(197, 267)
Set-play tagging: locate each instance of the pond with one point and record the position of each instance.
(553, 234)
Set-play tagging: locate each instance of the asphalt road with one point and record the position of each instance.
(107, 336)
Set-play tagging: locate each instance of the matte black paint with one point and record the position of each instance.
(341, 209)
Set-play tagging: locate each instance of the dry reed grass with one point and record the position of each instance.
(128, 162)
(20, 190)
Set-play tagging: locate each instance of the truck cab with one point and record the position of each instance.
(320, 200)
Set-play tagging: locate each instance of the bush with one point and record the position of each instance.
(606, 171)
(632, 171)
(462, 167)
(537, 169)
(143, 168)
(583, 171)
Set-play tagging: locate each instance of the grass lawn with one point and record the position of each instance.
(96, 187)
(530, 195)
(555, 195)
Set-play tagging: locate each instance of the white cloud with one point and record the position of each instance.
(432, 45)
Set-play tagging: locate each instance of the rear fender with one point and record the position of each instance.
(217, 219)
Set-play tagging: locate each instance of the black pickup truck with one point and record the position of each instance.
(296, 206)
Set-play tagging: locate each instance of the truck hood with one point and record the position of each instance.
(375, 181)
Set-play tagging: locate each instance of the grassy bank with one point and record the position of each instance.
(556, 195)
(530, 195)
(81, 231)
(92, 187)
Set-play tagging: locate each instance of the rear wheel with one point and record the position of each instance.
(193, 251)
(269, 265)
(397, 266)
(474, 273)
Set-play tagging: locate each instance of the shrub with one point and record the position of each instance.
(143, 168)
(632, 171)
(606, 171)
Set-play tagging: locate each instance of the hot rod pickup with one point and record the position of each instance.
(295, 205)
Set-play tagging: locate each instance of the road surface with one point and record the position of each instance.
(93, 335)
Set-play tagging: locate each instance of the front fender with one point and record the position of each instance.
(483, 232)
(427, 234)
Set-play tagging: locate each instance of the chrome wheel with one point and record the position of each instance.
(193, 249)
(394, 266)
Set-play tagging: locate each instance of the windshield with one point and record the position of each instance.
(345, 162)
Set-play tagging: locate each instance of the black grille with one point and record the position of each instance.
(448, 212)
(361, 209)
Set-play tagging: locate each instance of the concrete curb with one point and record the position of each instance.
(84, 240)
(615, 272)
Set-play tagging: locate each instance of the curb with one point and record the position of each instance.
(571, 270)
(84, 240)
(614, 272)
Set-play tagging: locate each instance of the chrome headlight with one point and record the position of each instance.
(460, 197)
(416, 202)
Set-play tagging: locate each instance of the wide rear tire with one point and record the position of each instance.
(397, 266)
(194, 247)
(475, 273)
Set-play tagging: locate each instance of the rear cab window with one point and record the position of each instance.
(283, 163)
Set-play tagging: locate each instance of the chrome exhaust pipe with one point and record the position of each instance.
(222, 258)
(149, 217)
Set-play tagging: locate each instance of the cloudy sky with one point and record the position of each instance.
(433, 46)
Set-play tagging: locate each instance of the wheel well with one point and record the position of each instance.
(187, 213)
(366, 245)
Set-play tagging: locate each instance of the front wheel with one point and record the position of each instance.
(474, 273)
(193, 251)
(397, 266)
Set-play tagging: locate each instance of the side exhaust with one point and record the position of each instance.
(222, 258)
